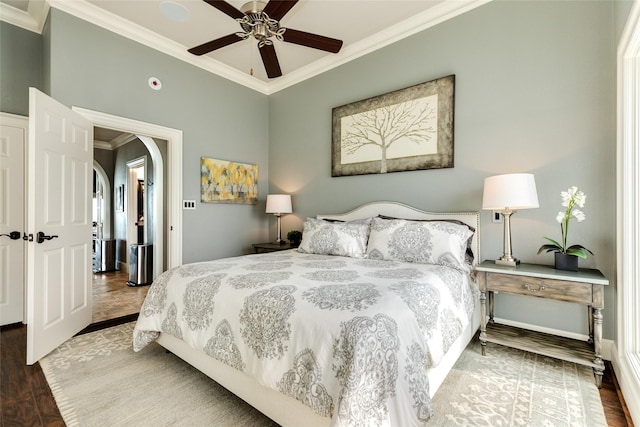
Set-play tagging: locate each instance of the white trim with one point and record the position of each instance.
(14, 120)
(21, 122)
(32, 20)
(114, 23)
(106, 197)
(174, 175)
(429, 18)
(627, 354)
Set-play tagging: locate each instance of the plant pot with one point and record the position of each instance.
(566, 262)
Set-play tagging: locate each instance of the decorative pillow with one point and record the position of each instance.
(335, 238)
(469, 255)
(425, 242)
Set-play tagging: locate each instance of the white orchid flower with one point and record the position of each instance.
(579, 215)
(571, 200)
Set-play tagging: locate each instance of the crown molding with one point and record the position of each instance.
(420, 22)
(34, 21)
(102, 145)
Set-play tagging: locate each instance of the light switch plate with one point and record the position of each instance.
(188, 204)
(496, 217)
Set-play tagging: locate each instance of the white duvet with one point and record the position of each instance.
(351, 338)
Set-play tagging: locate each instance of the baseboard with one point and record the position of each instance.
(630, 387)
(122, 266)
(606, 344)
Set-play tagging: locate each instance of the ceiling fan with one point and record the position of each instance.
(262, 21)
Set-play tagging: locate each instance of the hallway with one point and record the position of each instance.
(112, 298)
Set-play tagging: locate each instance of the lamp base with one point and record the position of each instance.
(509, 262)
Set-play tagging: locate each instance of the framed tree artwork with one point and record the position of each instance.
(408, 129)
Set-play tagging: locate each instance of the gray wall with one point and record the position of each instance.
(535, 92)
(20, 67)
(95, 69)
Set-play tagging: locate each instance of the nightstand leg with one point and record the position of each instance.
(597, 345)
(483, 321)
(590, 320)
(491, 307)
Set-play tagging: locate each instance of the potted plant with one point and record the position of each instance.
(295, 237)
(566, 258)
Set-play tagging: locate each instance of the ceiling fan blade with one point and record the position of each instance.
(270, 61)
(312, 40)
(226, 8)
(276, 9)
(214, 44)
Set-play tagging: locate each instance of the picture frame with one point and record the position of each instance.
(404, 130)
(120, 198)
(223, 181)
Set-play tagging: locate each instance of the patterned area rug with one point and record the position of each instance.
(97, 380)
(510, 387)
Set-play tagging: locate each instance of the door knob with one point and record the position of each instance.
(14, 235)
(41, 237)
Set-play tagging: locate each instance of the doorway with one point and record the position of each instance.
(125, 160)
(112, 299)
(172, 220)
(169, 188)
(169, 231)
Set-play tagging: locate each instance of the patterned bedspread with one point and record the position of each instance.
(351, 338)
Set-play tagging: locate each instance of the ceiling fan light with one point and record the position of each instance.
(261, 32)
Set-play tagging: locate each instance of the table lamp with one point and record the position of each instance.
(507, 194)
(279, 204)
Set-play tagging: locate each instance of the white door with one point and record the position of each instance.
(13, 133)
(59, 294)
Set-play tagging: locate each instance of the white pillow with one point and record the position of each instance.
(335, 238)
(425, 242)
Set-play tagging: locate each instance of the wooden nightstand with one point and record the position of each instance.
(271, 247)
(541, 281)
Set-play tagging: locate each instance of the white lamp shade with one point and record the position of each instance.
(511, 191)
(278, 203)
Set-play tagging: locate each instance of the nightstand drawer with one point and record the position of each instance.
(543, 288)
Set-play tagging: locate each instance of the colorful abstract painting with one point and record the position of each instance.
(223, 181)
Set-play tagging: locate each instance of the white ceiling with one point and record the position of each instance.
(363, 26)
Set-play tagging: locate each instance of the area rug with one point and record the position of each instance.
(97, 380)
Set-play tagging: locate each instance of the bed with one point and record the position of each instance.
(358, 326)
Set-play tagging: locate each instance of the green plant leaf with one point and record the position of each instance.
(554, 247)
(549, 248)
(555, 243)
(578, 250)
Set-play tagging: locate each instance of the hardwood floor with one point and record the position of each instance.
(615, 408)
(26, 400)
(112, 298)
(25, 397)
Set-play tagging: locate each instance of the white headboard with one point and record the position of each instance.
(399, 210)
